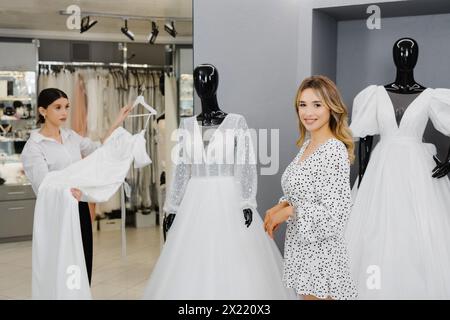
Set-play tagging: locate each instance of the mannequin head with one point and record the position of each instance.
(206, 80)
(405, 53)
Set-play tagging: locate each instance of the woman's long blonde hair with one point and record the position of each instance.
(328, 92)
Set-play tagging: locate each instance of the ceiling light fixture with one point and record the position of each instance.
(170, 28)
(85, 25)
(153, 34)
(127, 32)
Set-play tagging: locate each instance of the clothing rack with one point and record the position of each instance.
(125, 67)
(105, 64)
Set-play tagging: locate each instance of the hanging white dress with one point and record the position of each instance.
(58, 265)
(398, 233)
(209, 252)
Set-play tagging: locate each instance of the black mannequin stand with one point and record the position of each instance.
(206, 82)
(405, 54)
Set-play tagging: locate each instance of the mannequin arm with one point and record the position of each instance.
(167, 223)
(442, 168)
(248, 215)
(365, 149)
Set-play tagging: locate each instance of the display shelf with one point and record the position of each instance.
(16, 98)
(16, 119)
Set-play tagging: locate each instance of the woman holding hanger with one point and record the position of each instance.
(53, 147)
(317, 201)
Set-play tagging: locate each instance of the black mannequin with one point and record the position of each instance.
(161, 90)
(206, 82)
(405, 54)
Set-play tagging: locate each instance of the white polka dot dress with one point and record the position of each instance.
(315, 255)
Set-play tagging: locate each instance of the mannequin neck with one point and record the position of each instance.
(210, 105)
(405, 78)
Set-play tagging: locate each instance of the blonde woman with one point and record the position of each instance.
(317, 201)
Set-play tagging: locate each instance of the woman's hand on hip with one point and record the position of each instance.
(277, 207)
(274, 218)
(272, 211)
(76, 193)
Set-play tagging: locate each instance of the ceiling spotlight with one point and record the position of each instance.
(85, 25)
(153, 34)
(127, 32)
(170, 28)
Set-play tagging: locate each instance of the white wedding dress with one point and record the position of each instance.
(58, 265)
(209, 252)
(399, 229)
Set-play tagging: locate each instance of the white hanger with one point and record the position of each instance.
(141, 100)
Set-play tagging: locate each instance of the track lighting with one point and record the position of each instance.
(153, 34)
(170, 28)
(127, 32)
(85, 25)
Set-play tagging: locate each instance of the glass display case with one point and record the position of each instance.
(186, 95)
(17, 119)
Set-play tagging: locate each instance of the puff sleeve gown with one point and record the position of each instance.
(315, 253)
(399, 230)
(209, 252)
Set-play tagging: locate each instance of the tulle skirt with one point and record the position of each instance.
(211, 254)
(398, 233)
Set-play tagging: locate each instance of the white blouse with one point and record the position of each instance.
(42, 154)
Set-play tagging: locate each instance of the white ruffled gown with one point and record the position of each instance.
(398, 233)
(209, 252)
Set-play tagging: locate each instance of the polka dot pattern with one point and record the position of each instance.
(315, 256)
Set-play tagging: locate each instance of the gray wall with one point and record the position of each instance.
(263, 49)
(186, 60)
(61, 50)
(246, 41)
(16, 56)
(324, 46)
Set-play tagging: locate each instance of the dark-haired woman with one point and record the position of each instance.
(53, 147)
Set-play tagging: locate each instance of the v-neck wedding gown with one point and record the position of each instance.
(209, 252)
(398, 233)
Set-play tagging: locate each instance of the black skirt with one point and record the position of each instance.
(86, 235)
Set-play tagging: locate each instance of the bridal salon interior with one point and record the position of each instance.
(103, 55)
(97, 200)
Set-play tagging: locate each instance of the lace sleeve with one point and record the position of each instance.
(245, 166)
(180, 175)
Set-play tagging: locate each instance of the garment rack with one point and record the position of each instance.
(125, 66)
(105, 64)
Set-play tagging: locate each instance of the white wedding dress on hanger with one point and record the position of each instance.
(398, 233)
(58, 265)
(209, 252)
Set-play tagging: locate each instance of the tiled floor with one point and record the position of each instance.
(113, 277)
